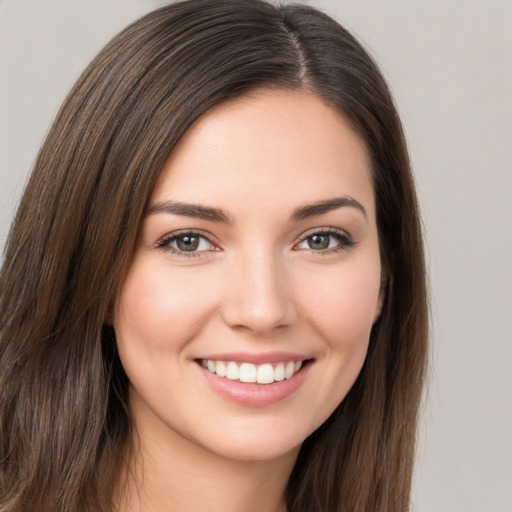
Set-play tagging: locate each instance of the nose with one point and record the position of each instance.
(258, 294)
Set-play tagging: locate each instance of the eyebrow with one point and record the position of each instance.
(190, 210)
(218, 215)
(310, 210)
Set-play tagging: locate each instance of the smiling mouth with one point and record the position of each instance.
(267, 373)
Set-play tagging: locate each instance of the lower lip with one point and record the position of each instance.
(255, 395)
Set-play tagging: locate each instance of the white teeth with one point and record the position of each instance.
(232, 372)
(288, 372)
(279, 372)
(248, 372)
(265, 374)
(220, 368)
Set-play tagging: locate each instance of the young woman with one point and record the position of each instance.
(213, 294)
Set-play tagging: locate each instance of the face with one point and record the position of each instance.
(245, 316)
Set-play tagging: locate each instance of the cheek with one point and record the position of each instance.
(343, 305)
(156, 309)
(340, 305)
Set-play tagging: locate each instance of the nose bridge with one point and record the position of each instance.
(258, 293)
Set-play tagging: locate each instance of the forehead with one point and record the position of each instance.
(267, 146)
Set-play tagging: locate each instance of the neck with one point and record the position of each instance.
(173, 474)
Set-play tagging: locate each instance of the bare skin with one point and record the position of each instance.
(180, 477)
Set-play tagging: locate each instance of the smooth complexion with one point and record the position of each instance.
(260, 246)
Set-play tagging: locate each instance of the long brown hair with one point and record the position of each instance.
(63, 412)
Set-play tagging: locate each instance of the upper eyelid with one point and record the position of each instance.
(163, 243)
(326, 230)
(345, 240)
(205, 234)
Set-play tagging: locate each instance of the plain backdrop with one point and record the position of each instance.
(449, 63)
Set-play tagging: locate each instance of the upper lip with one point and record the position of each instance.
(257, 359)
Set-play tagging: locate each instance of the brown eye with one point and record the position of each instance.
(325, 241)
(187, 243)
(318, 242)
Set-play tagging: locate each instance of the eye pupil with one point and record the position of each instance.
(187, 243)
(318, 241)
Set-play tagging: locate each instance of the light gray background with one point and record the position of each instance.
(449, 63)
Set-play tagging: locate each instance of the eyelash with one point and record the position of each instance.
(343, 239)
(165, 243)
